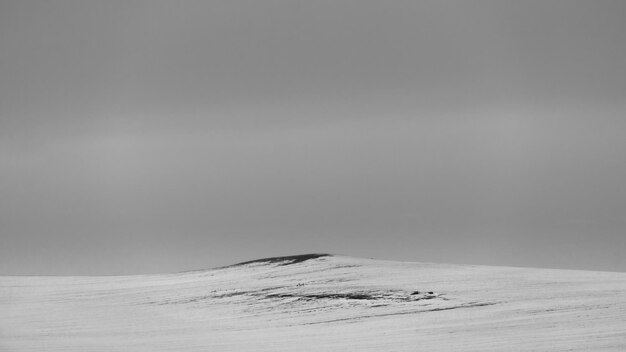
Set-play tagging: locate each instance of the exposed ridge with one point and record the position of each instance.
(285, 260)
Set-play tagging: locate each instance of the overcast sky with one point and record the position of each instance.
(160, 136)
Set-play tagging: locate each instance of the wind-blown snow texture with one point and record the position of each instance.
(319, 303)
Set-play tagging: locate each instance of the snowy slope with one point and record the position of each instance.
(319, 303)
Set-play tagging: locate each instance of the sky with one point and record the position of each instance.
(160, 136)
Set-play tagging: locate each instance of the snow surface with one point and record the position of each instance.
(328, 303)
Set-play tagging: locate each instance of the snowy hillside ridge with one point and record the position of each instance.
(318, 302)
(303, 294)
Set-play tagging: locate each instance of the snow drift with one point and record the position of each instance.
(318, 302)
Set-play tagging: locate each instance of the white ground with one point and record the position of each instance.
(323, 304)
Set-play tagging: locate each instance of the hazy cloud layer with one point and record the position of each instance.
(146, 136)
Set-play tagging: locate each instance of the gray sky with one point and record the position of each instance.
(159, 136)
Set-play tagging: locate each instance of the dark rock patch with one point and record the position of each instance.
(286, 260)
(358, 296)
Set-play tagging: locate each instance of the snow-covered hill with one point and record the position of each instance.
(319, 303)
